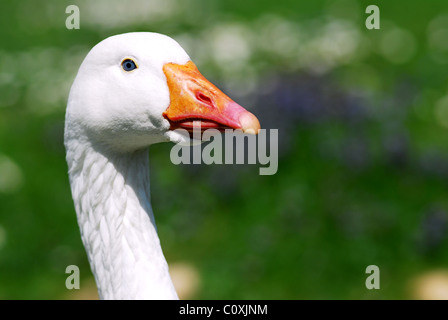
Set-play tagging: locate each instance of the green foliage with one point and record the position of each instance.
(362, 122)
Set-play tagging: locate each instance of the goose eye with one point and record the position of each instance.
(128, 65)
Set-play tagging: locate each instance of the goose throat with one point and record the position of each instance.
(111, 193)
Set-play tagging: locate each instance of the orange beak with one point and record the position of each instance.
(195, 101)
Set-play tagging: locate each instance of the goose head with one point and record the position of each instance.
(133, 90)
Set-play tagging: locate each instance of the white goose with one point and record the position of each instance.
(131, 91)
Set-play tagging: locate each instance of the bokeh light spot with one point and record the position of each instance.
(11, 176)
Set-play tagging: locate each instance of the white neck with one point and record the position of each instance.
(111, 195)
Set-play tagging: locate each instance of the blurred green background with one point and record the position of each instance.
(363, 169)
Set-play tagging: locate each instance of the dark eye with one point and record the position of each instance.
(128, 65)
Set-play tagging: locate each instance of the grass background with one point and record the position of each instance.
(363, 147)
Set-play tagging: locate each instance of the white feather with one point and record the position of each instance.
(112, 117)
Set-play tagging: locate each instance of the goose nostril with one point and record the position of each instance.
(203, 98)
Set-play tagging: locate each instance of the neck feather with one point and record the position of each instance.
(111, 195)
